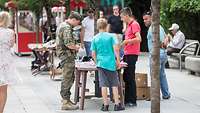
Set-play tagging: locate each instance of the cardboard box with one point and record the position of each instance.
(148, 94)
(143, 93)
(141, 79)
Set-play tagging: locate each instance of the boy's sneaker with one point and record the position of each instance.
(105, 107)
(118, 107)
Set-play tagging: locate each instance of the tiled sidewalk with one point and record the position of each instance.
(41, 95)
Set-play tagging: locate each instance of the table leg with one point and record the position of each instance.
(121, 91)
(97, 88)
(77, 85)
(84, 78)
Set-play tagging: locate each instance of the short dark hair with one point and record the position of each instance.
(147, 13)
(126, 11)
(75, 15)
(90, 10)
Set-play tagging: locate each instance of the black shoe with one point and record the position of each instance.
(166, 97)
(167, 65)
(34, 67)
(130, 104)
(105, 107)
(118, 107)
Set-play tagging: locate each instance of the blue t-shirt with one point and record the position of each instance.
(102, 45)
(150, 38)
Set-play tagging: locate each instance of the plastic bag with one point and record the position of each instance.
(81, 53)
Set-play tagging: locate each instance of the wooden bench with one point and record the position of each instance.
(190, 48)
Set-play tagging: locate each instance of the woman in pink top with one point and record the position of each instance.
(131, 51)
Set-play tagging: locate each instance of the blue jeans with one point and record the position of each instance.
(163, 79)
(87, 45)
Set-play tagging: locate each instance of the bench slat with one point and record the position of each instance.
(192, 46)
(190, 49)
(189, 52)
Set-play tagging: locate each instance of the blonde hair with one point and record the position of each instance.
(101, 23)
(5, 19)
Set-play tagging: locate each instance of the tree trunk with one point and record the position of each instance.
(49, 14)
(51, 22)
(95, 20)
(37, 29)
(155, 59)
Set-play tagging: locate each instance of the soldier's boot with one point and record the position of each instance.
(65, 101)
(68, 105)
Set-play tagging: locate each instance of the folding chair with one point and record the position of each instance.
(41, 61)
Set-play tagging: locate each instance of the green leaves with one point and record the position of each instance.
(21, 4)
(35, 6)
(2, 3)
(192, 6)
(186, 13)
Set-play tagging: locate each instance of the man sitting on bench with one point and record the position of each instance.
(176, 43)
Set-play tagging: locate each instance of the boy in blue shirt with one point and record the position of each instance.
(105, 53)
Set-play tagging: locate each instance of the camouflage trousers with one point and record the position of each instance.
(68, 79)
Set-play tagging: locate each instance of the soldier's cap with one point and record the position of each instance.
(75, 15)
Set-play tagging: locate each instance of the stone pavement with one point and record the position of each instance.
(39, 94)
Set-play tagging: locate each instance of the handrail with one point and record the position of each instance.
(187, 45)
(197, 53)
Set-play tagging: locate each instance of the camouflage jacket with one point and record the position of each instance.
(63, 39)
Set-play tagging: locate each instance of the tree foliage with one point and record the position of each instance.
(192, 6)
(91, 4)
(21, 4)
(186, 13)
(35, 5)
(2, 4)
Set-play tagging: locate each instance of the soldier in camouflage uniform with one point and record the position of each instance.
(66, 51)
